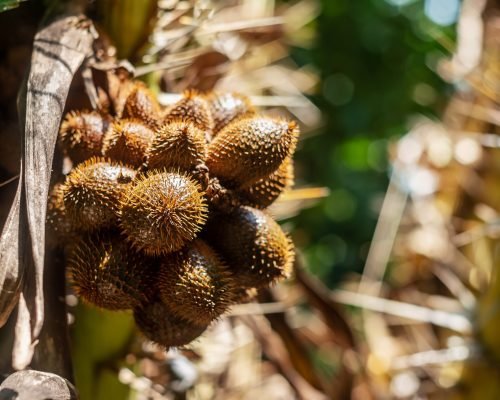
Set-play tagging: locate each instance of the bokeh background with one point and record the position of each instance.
(396, 170)
(378, 65)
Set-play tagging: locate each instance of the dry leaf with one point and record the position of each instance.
(58, 51)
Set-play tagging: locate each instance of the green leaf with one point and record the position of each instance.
(9, 4)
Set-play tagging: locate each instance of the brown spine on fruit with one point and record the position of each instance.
(127, 141)
(253, 245)
(81, 134)
(193, 108)
(195, 284)
(156, 322)
(265, 191)
(226, 107)
(250, 149)
(93, 191)
(107, 273)
(60, 230)
(162, 211)
(178, 144)
(141, 104)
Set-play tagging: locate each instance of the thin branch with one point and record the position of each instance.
(478, 112)
(457, 322)
(490, 228)
(258, 308)
(383, 238)
(433, 357)
(5, 183)
(166, 99)
(241, 25)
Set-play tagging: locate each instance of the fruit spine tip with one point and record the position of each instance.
(192, 107)
(141, 104)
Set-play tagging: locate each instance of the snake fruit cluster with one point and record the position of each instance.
(164, 210)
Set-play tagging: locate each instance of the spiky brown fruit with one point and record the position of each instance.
(265, 191)
(195, 284)
(160, 326)
(226, 107)
(141, 104)
(250, 149)
(253, 244)
(127, 140)
(60, 230)
(106, 272)
(93, 191)
(178, 144)
(194, 108)
(162, 211)
(81, 134)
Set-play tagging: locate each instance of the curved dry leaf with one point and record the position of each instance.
(36, 385)
(59, 49)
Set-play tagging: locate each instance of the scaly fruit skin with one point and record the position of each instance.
(141, 104)
(107, 273)
(81, 134)
(206, 153)
(253, 244)
(162, 211)
(195, 284)
(92, 193)
(160, 326)
(178, 144)
(250, 149)
(60, 229)
(193, 108)
(265, 191)
(226, 107)
(127, 140)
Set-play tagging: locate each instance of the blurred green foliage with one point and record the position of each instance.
(9, 4)
(377, 63)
